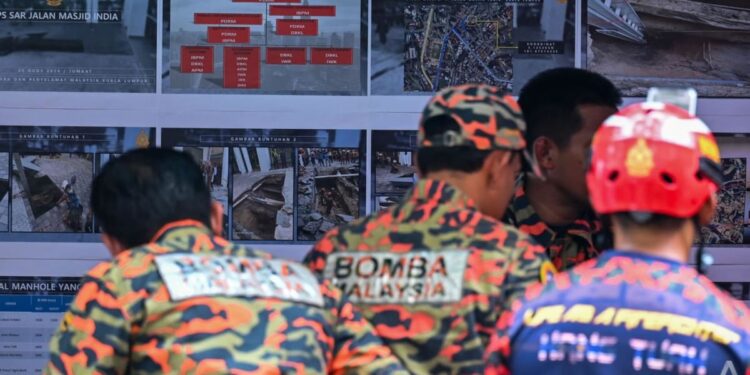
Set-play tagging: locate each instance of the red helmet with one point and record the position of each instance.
(653, 158)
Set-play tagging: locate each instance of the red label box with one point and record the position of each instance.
(269, 1)
(286, 56)
(227, 19)
(242, 67)
(332, 56)
(196, 59)
(303, 10)
(228, 34)
(297, 27)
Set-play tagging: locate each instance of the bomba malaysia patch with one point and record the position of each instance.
(399, 278)
(193, 275)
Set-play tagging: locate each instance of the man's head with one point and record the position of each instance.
(655, 169)
(563, 108)
(140, 192)
(472, 136)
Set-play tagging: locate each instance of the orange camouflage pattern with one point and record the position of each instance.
(123, 320)
(434, 217)
(619, 301)
(566, 246)
(489, 118)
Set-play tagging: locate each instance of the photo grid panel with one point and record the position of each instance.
(49, 171)
(279, 185)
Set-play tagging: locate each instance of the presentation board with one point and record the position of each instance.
(301, 113)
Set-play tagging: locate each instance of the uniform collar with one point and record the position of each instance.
(527, 220)
(181, 228)
(439, 193)
(632, 254)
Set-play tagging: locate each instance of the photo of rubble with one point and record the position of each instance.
(395, 171)
(328, 190)
(78, 45)
(51, 192)
(262, 193)
(727, 226)
(419, 47)
(704, 44)
(4, 191)
(394, 164)
(214, 164)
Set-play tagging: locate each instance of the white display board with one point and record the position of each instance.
(329, 65)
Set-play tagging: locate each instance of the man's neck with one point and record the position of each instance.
(554, 207)
(675, 246)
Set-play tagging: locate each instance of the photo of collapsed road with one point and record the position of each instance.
(395, 174)
(643, 43)
(327, 190)
(449, 44)
(51, 192)
(262, 193)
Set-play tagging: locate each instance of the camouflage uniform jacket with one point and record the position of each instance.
(566, 246)
(140, 313)
(432, 274)
(624, 313)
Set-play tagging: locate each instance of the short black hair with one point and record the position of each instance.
(138, 193)
(459, 158)
(654, 222)
(550, 101)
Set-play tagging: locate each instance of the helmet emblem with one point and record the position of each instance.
(640, 159)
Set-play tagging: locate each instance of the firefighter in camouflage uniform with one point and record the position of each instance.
(563, 108)
(434, 273)
(180, 299)
(640, 308)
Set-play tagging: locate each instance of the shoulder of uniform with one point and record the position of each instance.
(515, 237)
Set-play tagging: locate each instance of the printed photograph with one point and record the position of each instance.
(262, 193)
(327, 190)
(51, 192)
(394, 163)
(313, 47)
(395, 172)
(728, 224)
(78, 45)
(419, 47)
(214, 164)
(704, 44)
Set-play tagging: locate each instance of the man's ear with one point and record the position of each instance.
(113, 245)
(707, 210)
(217, 218)
(545, 151)
(495, 163)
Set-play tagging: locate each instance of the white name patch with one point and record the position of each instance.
(399, 278)
(193, 275)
